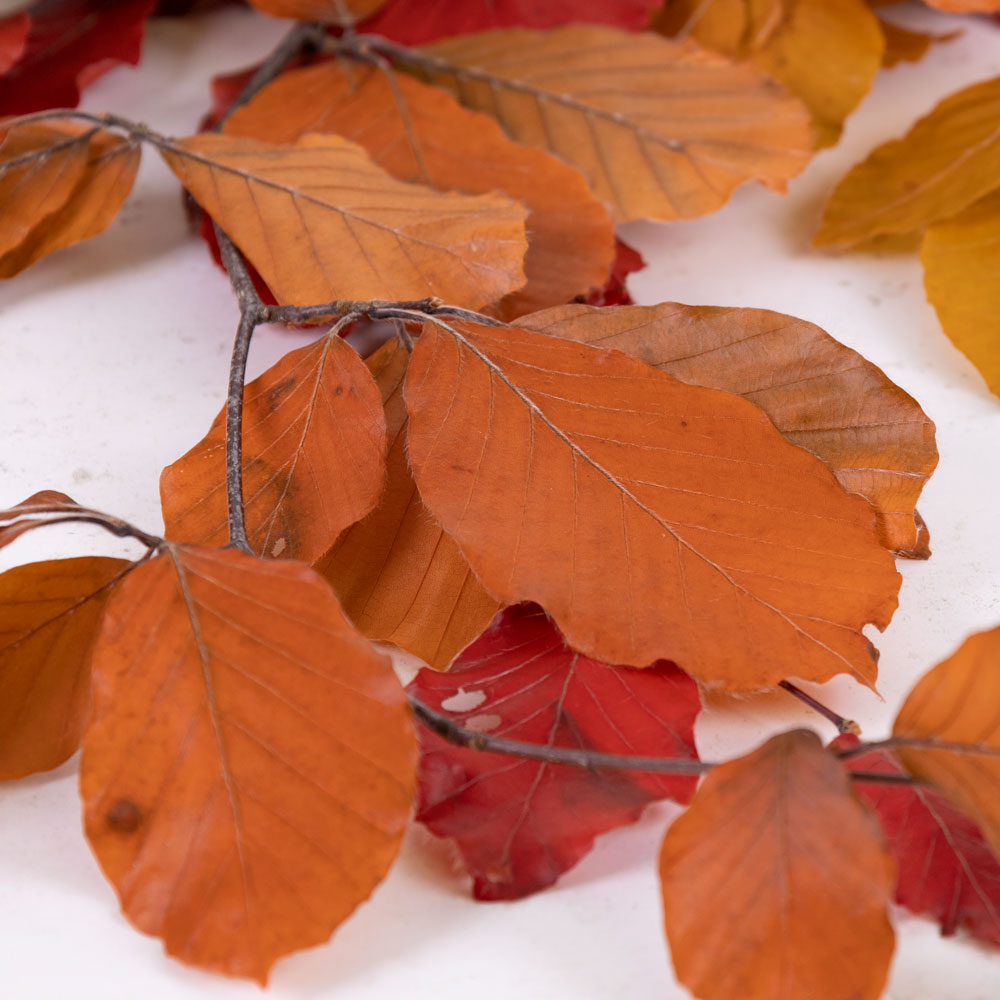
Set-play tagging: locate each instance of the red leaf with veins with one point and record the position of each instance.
(520, 824)
(69, 45)
(945, 869)
(414, 22)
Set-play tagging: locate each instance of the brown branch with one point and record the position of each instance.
(843, 725)
(84, 515)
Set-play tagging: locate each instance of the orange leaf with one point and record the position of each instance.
(961, 258)
(956, 703)
(821, 395)
(651, 519)
(948, 160)
(660, 129)
(49, 616)
(904, 45)
(248, 773)
(400, 578)
(343, 12)
(966, 6)
(776, 882)
(26, 515)
(320, 221)
(423, 135)
(313, 447)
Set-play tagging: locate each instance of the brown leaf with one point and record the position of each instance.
(776, 882)
(49, 617)
(109, 171)
(248, 773)
(343, 12)
(26, 515)
(956, 702)
(660, 129)
(948, 160)
(651, 519)
(313, 458)
(320, 221)
(961, 258)
(820, 394)
(905, 45)
(423, 135)
(826, 52)
(399, 577)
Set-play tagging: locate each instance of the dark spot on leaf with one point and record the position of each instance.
(338, 390)
(124, 816)
(684, 423)
(279, 389)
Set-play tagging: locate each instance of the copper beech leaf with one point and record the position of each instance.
(342, 12)
(966, 6)
(614, 292)
(821, 395)
(248, 772)
(399, 577)
(905, 45)
(650, 518)
(945, 870)
(320, 221)
(49, 617)
(949, 159)
(961, 258)
(313, 457)
(957, 704)
(423, 135)
(24, 516)
(776, 882)
(826, 52)
(13, 38)
(520, 824)
(660, 129)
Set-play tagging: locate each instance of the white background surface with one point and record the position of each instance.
(113, 361)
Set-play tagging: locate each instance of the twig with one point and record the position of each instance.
(843, 725)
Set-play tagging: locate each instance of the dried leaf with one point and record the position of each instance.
(948, 160)
(98, 171)
(248, 772)
(343, 12)
(826, 52)
(956, 703)
(821, 395)
(614, 291)
(521, 823)
(49, 617)
(24, 516)
(399, 577)
(320, 221)
(651, 519)
(966, 6)
(69, 45)
(905, 45)
(961, 259)
(13, 38)
(313, 458)
(944, 868)
(776, 882)
(660, 129)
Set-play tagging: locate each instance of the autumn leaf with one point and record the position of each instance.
(248, 771)
(70, 43)
(320, 221)
(821, 395)
(961, 258)
(955, 703)
(13, 39)
(49, 616)
(905, 45)
(59, 185)
(826, 52)
(650, 518)
(966, 6)
(313, 457)
(614, 291)
(948, 160)
(520, 824)
(399, 577)
(343, 12)
(414, 22)
(776, 882)
(944, 868)
(423, 135)
(660, 129)
(22, 517)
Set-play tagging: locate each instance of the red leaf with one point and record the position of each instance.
(613, 292)
(71, 42)
(521, 823)
(946, 871)
(13, 38)
(414, 22)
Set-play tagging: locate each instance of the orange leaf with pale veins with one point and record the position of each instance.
(958, 702)
(313, 458)
(651, 519)
(49, 617)
(399, 577)
(661, 129)
(342, 12)
(423, 135)
(776, 882)
(248, 773)
(320, 221)
(821, 395)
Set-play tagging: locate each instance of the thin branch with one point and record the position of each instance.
(84, 515)
(920, 743)
(843, 725)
